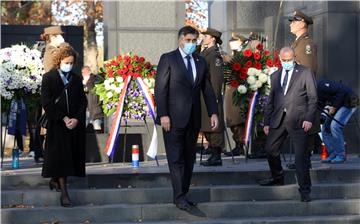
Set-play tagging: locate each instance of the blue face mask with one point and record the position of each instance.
(189, 48)
(287, 65)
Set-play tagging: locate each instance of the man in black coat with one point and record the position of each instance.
(181, 75)
(290, 112)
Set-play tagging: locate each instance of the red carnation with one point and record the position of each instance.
(247, 53)
(126, 57)
(242, 75)
(236, 66)
(257, 55)
(125, 70)
(126, 63)
(130, 66)
(124, 77)
(248, 64)
(135, 58)
(110, 74)
(137, 75)
(266, 52)
(107, 65)
(114, 63)
(141, 59)
(138, 68)
(258, 65)
(234, 83)
(269, 63)
(153, 72)
(119, 72)
(259, 47)
(119, 57)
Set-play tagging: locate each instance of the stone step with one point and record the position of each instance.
(163, 212)
(205, 177)
(332, 219)
(46, 197)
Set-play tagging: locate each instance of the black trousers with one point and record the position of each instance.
(180, 152)
(276, 138)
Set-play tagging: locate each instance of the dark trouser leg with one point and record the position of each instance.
(299, 140)
(274, 142)
(180, 152)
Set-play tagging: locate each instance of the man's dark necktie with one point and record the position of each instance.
(189, 69)
(285, 80)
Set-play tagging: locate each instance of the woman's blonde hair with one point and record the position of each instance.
(64, 50)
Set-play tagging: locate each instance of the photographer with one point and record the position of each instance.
(337, 102)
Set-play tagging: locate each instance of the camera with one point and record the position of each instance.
(324, 114)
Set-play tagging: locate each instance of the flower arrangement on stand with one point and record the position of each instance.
(21, 70)
(114, 73)
(249, 71)
(126, 91)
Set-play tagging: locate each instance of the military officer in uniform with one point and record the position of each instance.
(210, 51)
(306, 55)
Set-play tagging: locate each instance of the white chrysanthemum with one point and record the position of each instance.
(263, 78)
(119, 79)
(117, 90)
(251, 80)
(109, 94)
(111, 80)
(242, 89)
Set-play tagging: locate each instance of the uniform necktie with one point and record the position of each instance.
(189, 69)
(285, 80)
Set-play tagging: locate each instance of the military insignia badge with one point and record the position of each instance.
(308, 49)
(218, 62)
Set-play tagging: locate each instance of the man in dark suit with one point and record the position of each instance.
(181, 75)
(290, 112)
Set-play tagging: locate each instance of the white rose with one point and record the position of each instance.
(259, 84)
(263, 78)
(251, 71)
(113, 86)
(242, 89)
(258, 72)
(109, 94)
(251, 80)
(253, 87)
(111, 80)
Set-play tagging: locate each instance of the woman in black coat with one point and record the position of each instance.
(65, 140)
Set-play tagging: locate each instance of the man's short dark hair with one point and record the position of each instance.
(187, 30)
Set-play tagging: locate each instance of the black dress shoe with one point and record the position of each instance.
(272, 182)
(183, 206)
(191, 203)
(305, 198)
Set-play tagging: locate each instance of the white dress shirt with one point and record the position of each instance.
(289, 78)
(191, 61)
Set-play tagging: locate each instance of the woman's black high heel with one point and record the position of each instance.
(65, 204)
(54, 185)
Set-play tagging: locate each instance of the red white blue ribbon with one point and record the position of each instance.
(149, 99)
(115, 127)
(250, 118)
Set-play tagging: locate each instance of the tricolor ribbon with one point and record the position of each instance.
(149, 99)
(250, 118)
(115, 127)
